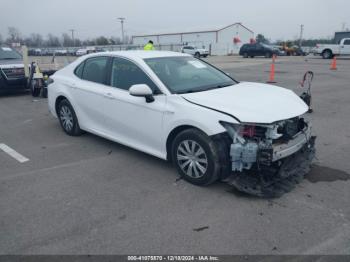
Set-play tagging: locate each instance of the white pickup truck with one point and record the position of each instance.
(329, 51)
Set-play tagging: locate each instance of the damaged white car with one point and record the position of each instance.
(182, 109)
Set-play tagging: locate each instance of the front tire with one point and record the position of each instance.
(196, 157)
(68, 118)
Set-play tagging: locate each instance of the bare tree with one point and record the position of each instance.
(52, 41)
(37, 39)
(14, 34)
(67, 40)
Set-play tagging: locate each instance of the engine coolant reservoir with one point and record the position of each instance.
(250, 151)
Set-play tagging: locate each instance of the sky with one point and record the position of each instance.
(276, 19)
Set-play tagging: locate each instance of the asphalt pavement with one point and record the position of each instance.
(87, 195)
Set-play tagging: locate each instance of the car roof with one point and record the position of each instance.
(141, 54)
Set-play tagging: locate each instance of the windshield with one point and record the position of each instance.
(7, 53)
(184, 74)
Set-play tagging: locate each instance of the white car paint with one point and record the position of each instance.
(116, 115)
(252, 102)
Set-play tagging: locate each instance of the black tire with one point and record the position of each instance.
(44, 93)
(64, 111)
(205, 56)
(34, 91)
(327, 54)
(245, 55)
(210, 171)
(251, 56)
(197, 55)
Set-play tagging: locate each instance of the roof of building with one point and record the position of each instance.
(192, 32)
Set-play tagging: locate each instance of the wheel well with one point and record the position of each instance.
(172, 136)
(58, 100)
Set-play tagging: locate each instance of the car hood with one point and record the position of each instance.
(11, 63)
(251, 102)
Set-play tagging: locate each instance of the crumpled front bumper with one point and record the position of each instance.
(275, 180)
(294, 145)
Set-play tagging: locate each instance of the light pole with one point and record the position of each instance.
(122, 24)
(301, 35)
(72, 30)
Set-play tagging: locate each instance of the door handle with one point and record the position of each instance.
(108, 95)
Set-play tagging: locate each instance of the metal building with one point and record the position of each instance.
(222, 41)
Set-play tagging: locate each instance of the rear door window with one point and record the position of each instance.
(95, 69)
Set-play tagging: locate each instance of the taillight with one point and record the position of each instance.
(248, 131)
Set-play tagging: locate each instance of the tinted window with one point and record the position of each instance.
(347, 42)
(7, 53)
(79, 70)
(95, 69)
(125, 74)
(247, 47)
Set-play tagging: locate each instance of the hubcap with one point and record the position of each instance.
(66, 118)
(192, 159)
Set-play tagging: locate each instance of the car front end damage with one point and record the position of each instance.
(269, 159)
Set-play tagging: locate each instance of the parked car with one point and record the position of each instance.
(182, 109)
(81, 51)
(329, 51)
(12, 76)
(61, 52)
(257, 49)
(197, 52)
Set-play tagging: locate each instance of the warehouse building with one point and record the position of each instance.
(222, 41)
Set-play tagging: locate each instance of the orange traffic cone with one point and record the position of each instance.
(272, 71)
(334, 64)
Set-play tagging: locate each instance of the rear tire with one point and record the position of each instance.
(196, 157)
(327, 54)
(68, 118)
(35, 91)
(245, 55)
(197, 55)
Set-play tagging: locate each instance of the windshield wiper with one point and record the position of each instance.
(217, 86)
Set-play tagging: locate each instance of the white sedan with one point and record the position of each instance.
(184, 110)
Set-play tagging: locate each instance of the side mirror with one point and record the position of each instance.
(142, 90)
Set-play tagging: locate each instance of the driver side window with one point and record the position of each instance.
(125, 74)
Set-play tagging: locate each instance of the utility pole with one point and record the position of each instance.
(72, 31)
(122, 24)
(301, 35)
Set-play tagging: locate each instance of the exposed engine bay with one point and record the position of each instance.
(268, 160)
